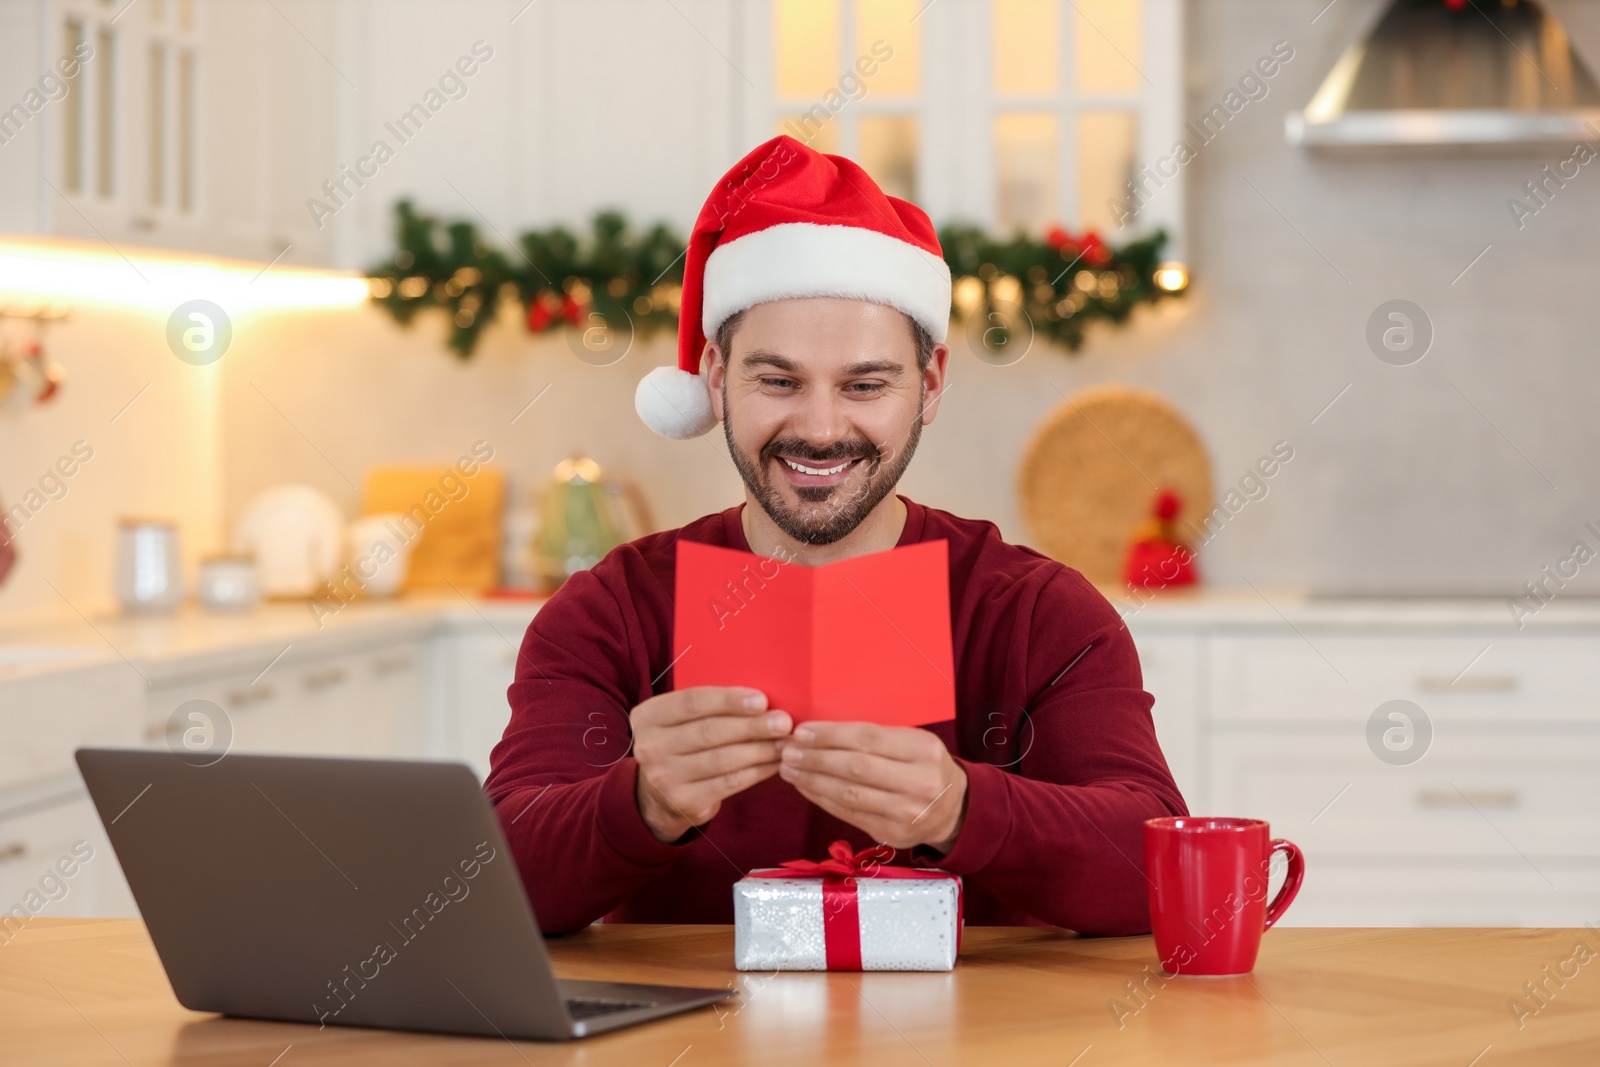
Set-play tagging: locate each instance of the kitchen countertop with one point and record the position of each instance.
(165, 648)
(168, 647)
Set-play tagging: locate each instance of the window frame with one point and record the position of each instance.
(956, 110)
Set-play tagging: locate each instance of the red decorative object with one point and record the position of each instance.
(571, 310)
(1157, 558)
(8, 551)
(1088, 247)
(1095, 251)
(538, 317)
(841, 916)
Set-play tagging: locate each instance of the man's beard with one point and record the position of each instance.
(826, 513)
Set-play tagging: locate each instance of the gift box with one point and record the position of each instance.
(850, 912)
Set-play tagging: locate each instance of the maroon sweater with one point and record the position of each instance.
(1052, 727)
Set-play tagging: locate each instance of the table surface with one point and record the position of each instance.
(91, 991)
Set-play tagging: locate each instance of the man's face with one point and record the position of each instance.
(822, 405)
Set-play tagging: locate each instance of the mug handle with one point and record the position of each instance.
(1291, 883)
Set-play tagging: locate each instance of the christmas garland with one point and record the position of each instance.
(618, 279)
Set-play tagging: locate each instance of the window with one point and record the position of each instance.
(1030, 113)
(847, 76)
(1065, 97)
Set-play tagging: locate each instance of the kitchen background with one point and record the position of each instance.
(1385, 560)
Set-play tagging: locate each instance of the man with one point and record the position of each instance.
(821, 307)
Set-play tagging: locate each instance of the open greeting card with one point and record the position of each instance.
(865, 639)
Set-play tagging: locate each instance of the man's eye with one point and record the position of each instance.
(866, 388)
(778, 383)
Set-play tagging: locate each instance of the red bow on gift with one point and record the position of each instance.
(841, 913)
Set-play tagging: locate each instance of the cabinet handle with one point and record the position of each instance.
(1489, 683)
(240, 698)
(1478, 798)
(392, 664)
(14, 851)
(325, 678)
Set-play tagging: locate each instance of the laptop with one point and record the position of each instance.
(344, 892)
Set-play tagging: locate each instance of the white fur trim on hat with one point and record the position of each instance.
(674, 403)
(799, 259)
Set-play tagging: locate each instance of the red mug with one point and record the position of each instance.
(1208, 891)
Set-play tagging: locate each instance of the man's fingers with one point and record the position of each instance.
(837, 795)
(692, 802)
(855, 765)
(701, 701)
(702, 735)
(726, 760)
(905, 743)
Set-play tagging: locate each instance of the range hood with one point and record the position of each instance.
(1487, 75)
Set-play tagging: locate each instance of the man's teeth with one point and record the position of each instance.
(817, 470)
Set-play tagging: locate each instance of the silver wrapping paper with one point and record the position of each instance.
(907, 924)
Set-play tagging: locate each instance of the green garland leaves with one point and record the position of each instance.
(615, 276)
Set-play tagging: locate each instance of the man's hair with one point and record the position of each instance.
(919, 336)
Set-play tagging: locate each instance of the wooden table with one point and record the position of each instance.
(85, 992)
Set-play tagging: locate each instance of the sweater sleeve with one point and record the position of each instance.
(1058, 833)
(561, 780)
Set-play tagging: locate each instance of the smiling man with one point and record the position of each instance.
(814, 315)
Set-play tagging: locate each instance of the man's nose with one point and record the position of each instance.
(821, 420)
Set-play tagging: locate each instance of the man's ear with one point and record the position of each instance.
(934, 380)
(716, 369)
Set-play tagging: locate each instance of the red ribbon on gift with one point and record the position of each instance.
(841, 912)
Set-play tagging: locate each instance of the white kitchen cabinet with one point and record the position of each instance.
(163, 137)
(1259, 714)
(1171, 667)
(1481, 796)
(48, 710)
(1494, 823)
(478, 665)
(55, 859)
(367, 702)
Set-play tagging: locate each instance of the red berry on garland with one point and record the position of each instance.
(1095, 252)
(1455, 5)
(1057, 238)
(570, 310)
(538, 315)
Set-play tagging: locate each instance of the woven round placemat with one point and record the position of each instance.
(1091, 471)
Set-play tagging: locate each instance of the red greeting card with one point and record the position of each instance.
(865, 639)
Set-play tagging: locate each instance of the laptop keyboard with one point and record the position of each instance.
(590, 1007)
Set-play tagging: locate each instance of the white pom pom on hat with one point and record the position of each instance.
(675, 403)
(788, 221)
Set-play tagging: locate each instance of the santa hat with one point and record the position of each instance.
(788, 221)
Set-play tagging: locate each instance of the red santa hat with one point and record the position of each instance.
(788, 221)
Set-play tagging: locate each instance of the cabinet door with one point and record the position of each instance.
(1471, 678)
(380, 710)
(364, 703)
(1484, 796)
(55, 860)
(1387, 892)
(254, 714)
(51, 713)
(482, 665)
(1170, 663)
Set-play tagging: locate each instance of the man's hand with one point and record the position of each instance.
(898, 784)
(696, 747)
